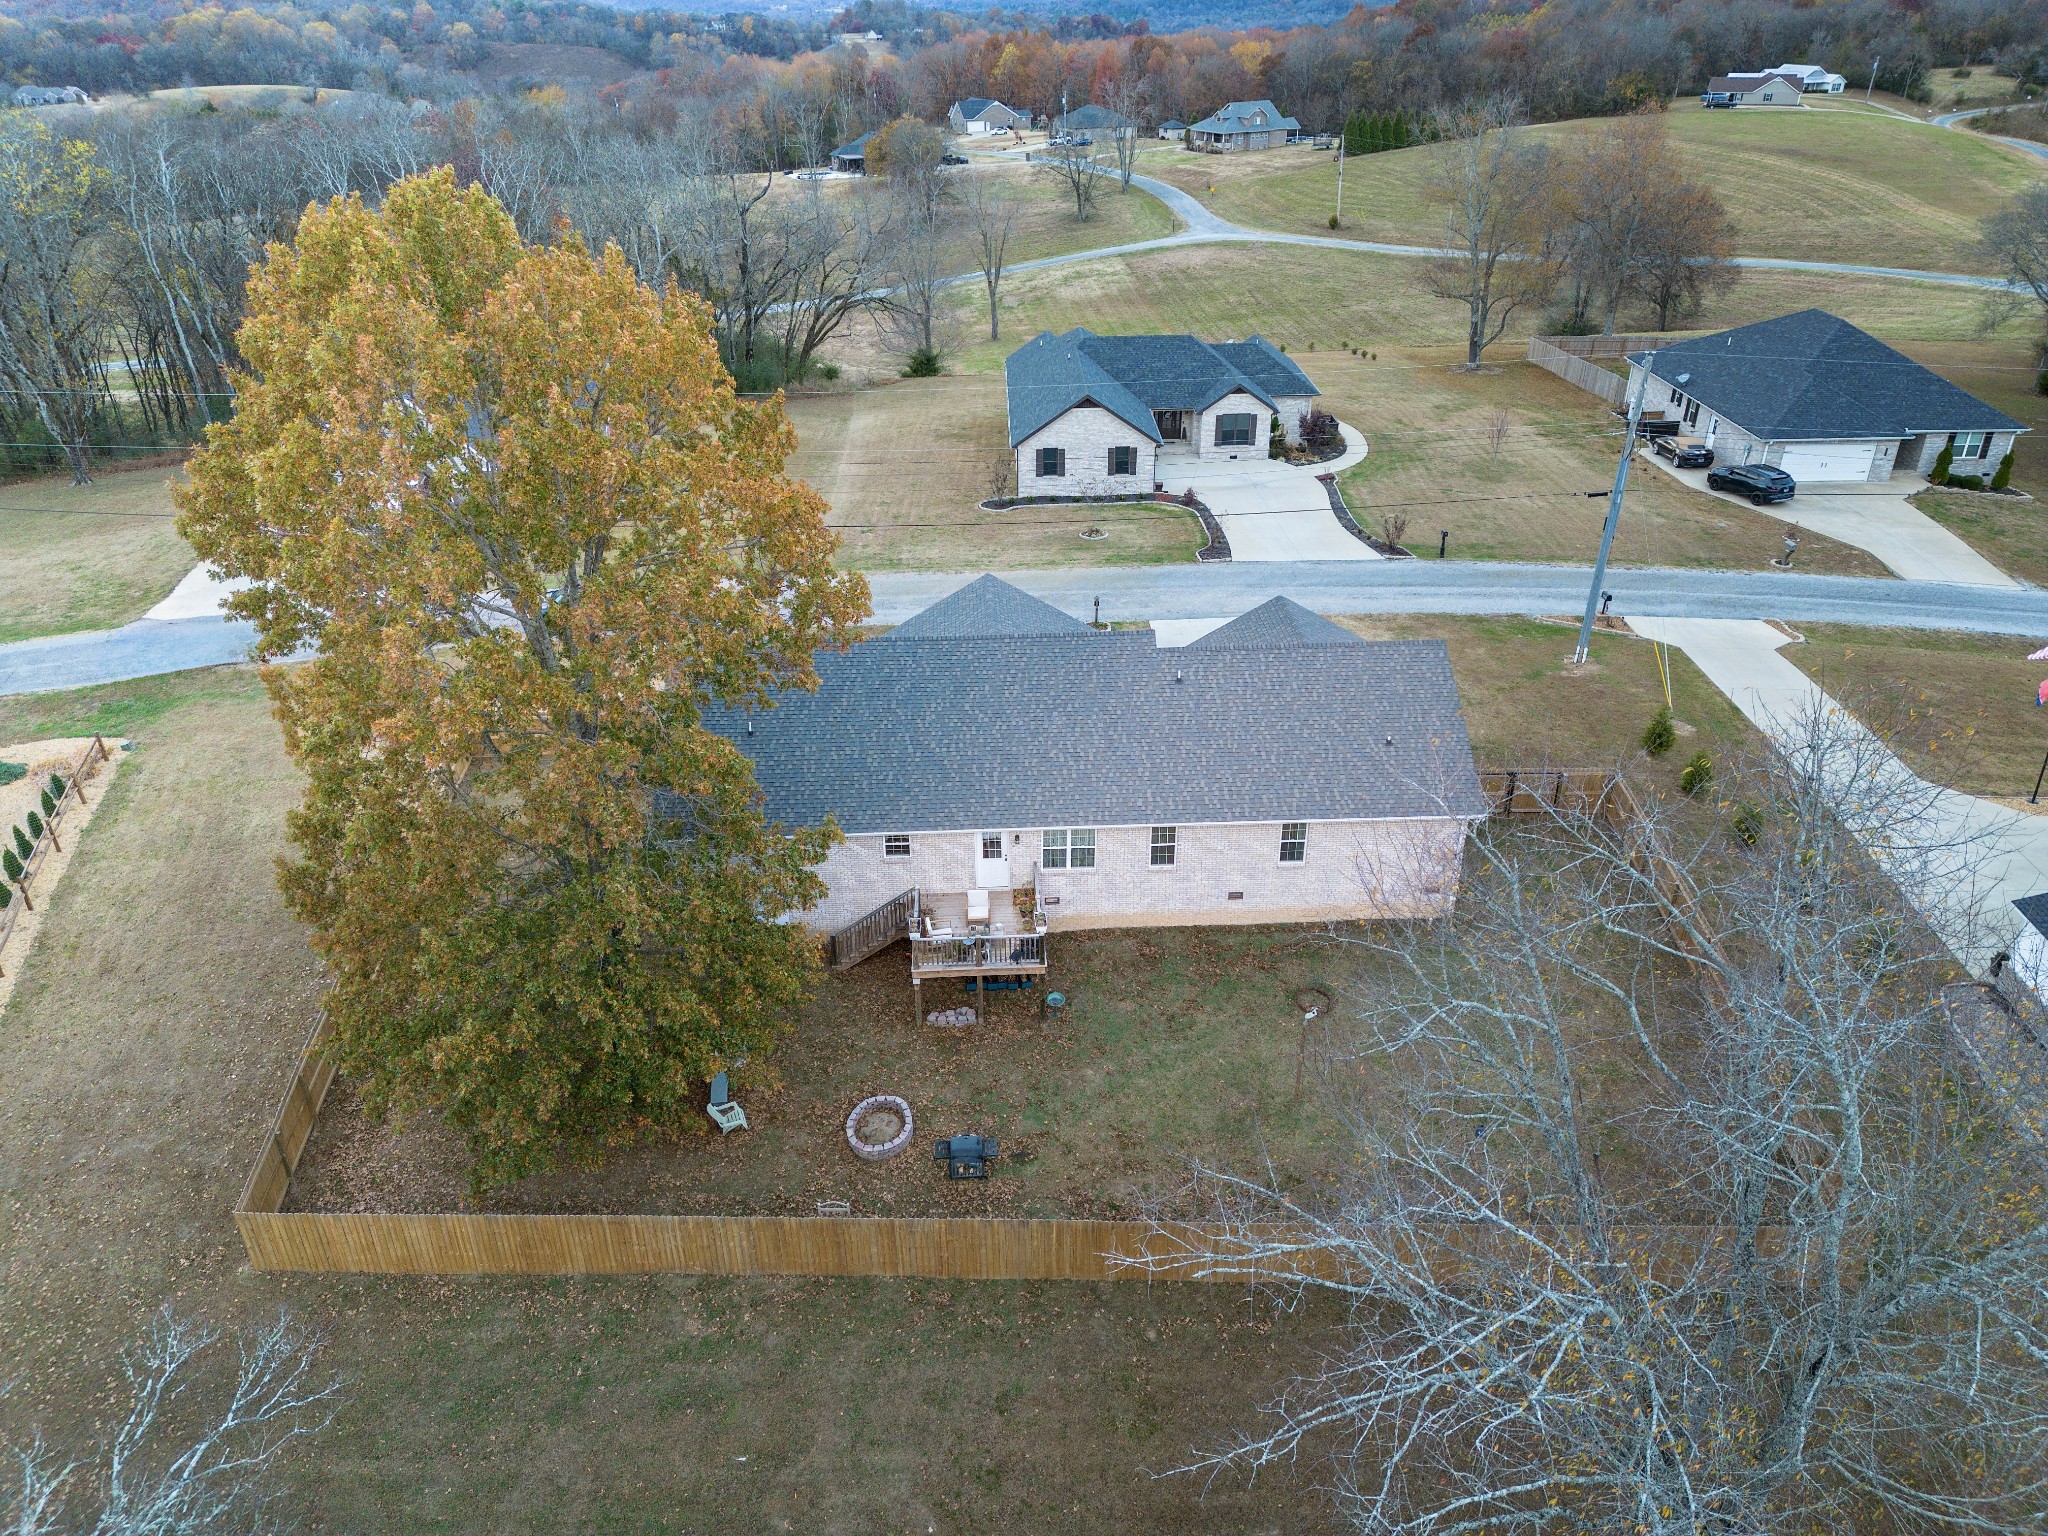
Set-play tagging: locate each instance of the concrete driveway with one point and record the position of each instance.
(1275, 511)
(1873, 517)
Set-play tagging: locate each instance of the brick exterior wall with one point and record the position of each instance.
(1235, 402)
(1087, 433)
(1292, 409)
(1733, 445)
(1351, 869)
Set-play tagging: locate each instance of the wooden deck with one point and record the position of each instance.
(1011, 945)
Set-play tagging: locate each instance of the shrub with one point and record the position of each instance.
(2041, 381)
(1966, 482)
(22, 846)
(57, 786)
(1942, 461)
(1333, 222)
(1660, 735)
(11, 862)
(10, 772)
(6, 896)
(1319, 429)
(1699, 773)
(923, 364)
(2001, 477)
(35, 826)
(49, 803)
(1747, 825)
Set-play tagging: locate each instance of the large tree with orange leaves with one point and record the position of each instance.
(509, 495)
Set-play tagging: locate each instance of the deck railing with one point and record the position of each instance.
(979, 952)
(872, 932)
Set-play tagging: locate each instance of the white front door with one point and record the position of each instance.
(992, 862)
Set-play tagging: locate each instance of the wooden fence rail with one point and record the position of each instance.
(1590, 377)
(74, 794)
(960, 1248)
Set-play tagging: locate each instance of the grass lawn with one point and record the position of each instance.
(1046, 225)
(905, 463)
(1811, 185)
(1959, 88)
(1958, 707)
(2013, 535)
(86, 557)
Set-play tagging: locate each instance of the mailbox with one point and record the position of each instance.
(965, 1157)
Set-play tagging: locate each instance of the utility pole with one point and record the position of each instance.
(1340, 175)
(1628, 452)
(1867, 90)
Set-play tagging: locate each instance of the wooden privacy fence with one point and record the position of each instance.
(955, 1248)
(1590, 377)
(94, 754)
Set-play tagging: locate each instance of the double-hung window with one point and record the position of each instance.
(1052, 462)
(1293, 842)
(1068, 848)
(1123, 460)
(1236, 429)
(1163, 840)
(1969, 445)
(896, 845)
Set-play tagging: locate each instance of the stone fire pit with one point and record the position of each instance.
(879, 1127)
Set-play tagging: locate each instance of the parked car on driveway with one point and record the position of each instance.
(1685, 452)
(1761, 483)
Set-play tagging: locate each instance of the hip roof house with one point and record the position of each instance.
(1762, 90)
(1822, 400)
(1095, 415)
(1001, 769)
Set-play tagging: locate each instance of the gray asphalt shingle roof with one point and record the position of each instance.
(955, 722)
(1279, 621)
(1236, 117)
(1133, 376)
(1812, 376)
(2035, 910)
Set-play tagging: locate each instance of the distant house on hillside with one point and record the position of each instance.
(50, 96)
(979, 114)
(1092, 120)
(1173, 128)
(1242, 125)
(853, 158)
(1095, 415)
(1771, 90)
(1000, 769)
(1822, 400)
(855, 39)
(1813, 79)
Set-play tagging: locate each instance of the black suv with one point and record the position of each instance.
(1761, 483)
(1685, 452)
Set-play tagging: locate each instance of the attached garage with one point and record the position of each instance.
(1823, 463)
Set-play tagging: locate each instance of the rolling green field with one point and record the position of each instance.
(1837, 183)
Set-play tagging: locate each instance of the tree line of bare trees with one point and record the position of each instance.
(123, 253)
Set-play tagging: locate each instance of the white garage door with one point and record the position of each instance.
(1832, 461)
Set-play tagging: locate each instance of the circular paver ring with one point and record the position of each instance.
(873, 1152)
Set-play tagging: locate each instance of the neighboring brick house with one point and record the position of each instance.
(1242, 125)
(993, 754)
(1096, 415)
(1822, 400)
(978, 115)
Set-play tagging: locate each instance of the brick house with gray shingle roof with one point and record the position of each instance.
(1821, 399)
(1280, 769)
(1094, 415)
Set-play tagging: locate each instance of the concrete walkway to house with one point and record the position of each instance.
(1875, 518)
(1271, 510)
(1999, 854)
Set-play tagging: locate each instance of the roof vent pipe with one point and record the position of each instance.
(1176, 674)
(750, 726)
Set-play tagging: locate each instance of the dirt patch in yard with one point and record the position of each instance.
(42, 759)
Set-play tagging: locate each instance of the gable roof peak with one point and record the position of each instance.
(986, 608)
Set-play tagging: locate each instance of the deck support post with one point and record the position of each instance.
(916, 999)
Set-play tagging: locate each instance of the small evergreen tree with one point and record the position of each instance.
(923, 364)
(2002, 476)
(35, 826)
(1660, 735)
(22, 845)
(11, 862)
(49, 803)
(1942, 461)
(57, 786)
(6, 896)
(1699, 773)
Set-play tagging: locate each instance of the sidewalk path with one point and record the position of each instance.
(1876, 518)
(1741, 658)
(1273, 511)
